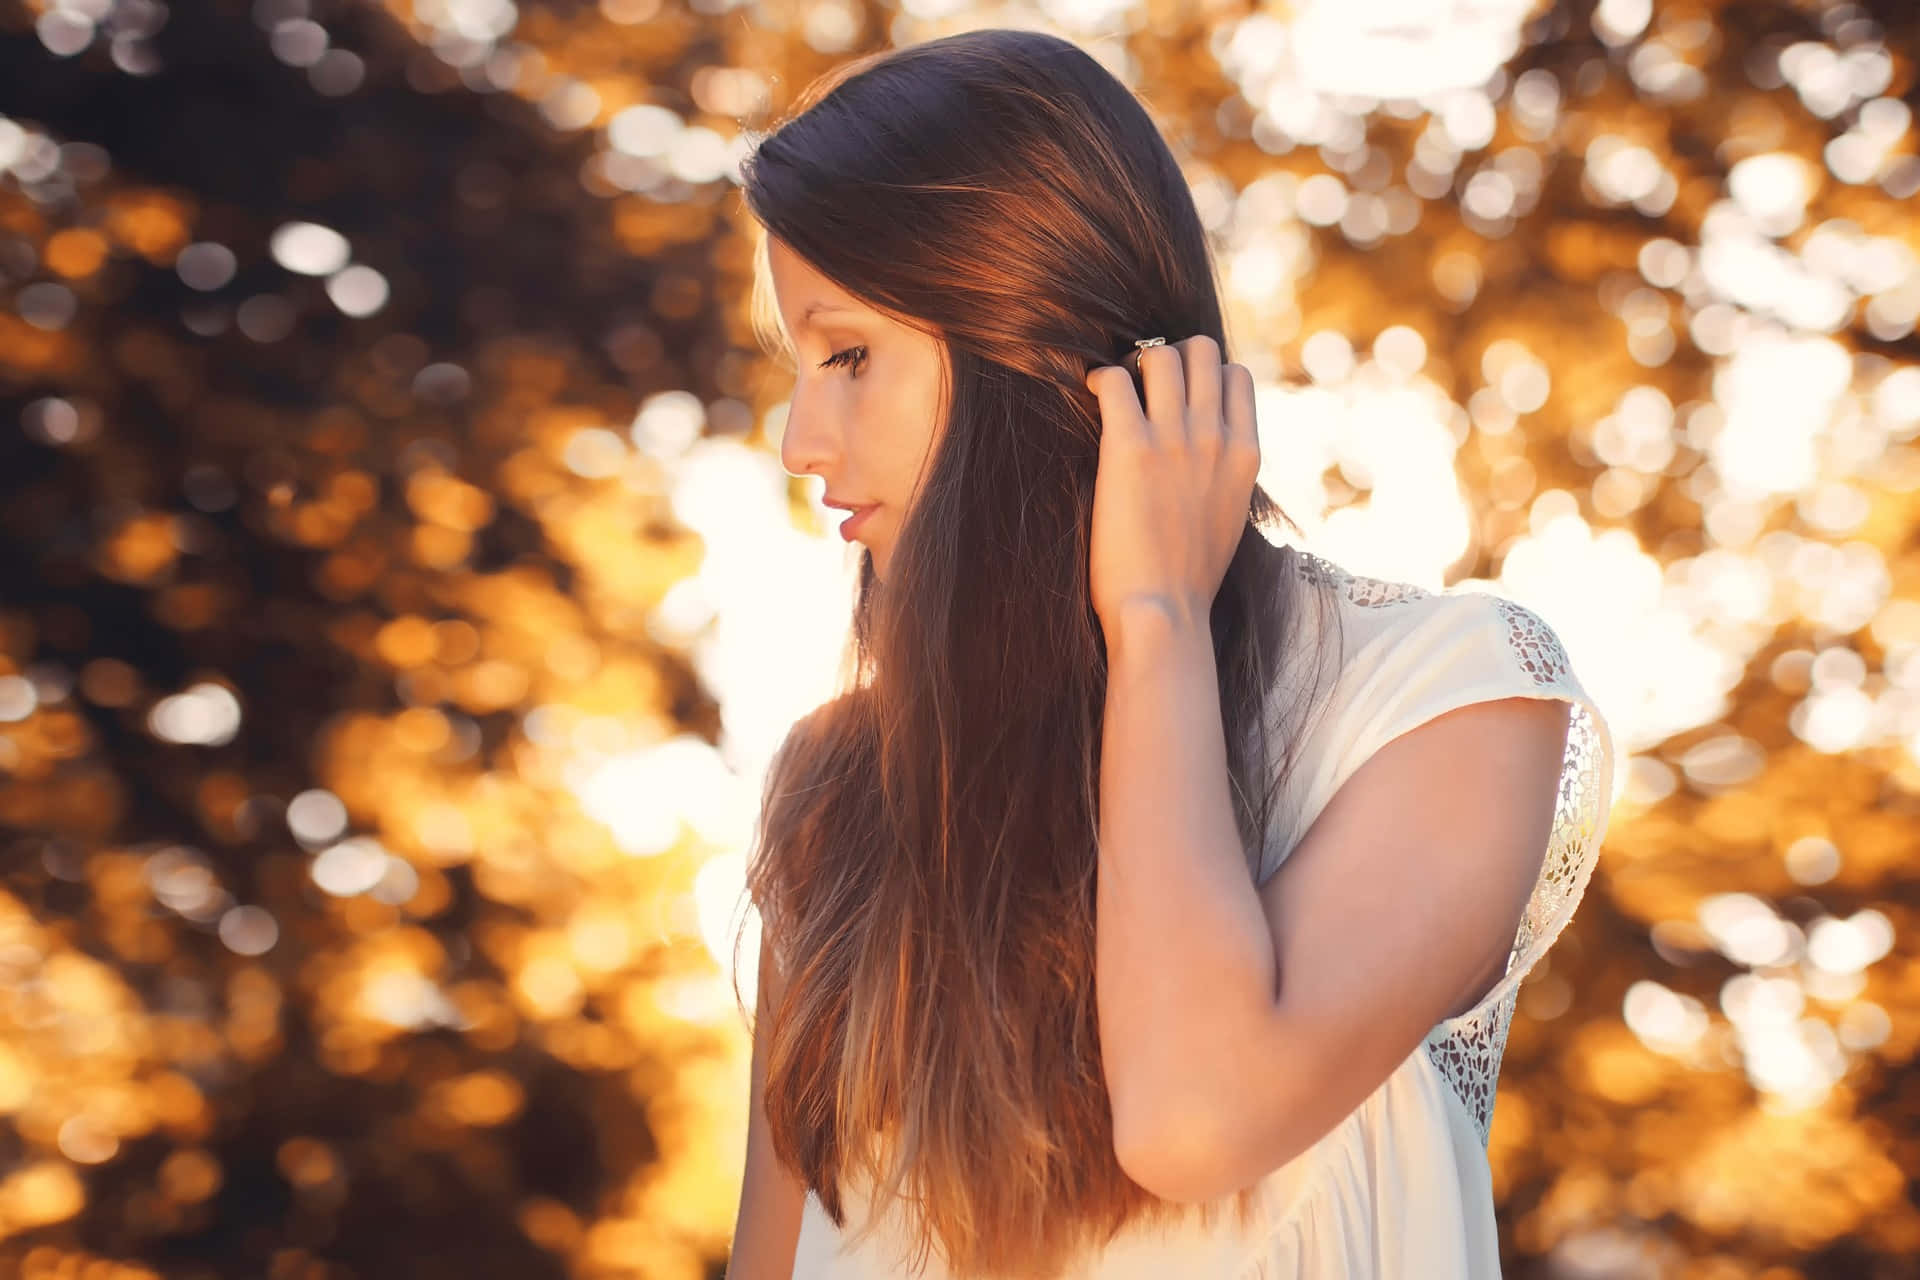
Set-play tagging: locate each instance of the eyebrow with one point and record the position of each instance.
(819, 308)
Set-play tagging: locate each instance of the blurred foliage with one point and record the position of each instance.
(352, 709)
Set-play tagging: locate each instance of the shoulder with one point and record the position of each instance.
(1354, 590)
(1385, 608)
(1408, 653)
(1400, 625)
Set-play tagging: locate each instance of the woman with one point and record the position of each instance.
(1151, 900)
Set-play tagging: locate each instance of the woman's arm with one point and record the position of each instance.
(1184, 961)
(1239, 1024)
(767, 1228)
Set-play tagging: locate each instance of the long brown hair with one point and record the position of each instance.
(926, 854)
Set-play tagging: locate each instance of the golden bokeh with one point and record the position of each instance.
(402, 596)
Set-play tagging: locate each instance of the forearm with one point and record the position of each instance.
(1185, 966)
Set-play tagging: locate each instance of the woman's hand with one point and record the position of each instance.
(1175, 478)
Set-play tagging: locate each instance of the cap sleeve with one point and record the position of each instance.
(1449, 650)
(1585, 795)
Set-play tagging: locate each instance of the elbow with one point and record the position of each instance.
(1174, 1157)
(1202, 1152)
(1191, 1136)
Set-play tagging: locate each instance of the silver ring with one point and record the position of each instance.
(1144, 343)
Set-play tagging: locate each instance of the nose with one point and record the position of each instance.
(808, 444)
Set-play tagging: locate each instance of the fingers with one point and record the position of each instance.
(1242, 433)
(1188, 391)
(1202, 356)
(1112, 386)
(1166, 383)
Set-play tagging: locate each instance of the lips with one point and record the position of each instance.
(850, 527)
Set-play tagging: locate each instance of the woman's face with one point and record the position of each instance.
(868, 405)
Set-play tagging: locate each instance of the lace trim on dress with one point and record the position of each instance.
(1369, 593)
(1468, 1049)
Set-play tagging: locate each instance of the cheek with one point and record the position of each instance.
(911, 432)
(899, 416)
(918, 411)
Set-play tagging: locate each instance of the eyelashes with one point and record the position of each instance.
(854, 356)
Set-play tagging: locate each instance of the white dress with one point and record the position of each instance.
(1400, 1188)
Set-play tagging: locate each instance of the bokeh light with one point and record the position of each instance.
(403, 596)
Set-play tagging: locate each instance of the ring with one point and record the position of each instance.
(1141, 344)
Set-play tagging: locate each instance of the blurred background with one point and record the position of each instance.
(400, 593)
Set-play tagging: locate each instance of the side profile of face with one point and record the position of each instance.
(868, 403)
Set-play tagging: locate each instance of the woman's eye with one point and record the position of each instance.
(854, 356)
